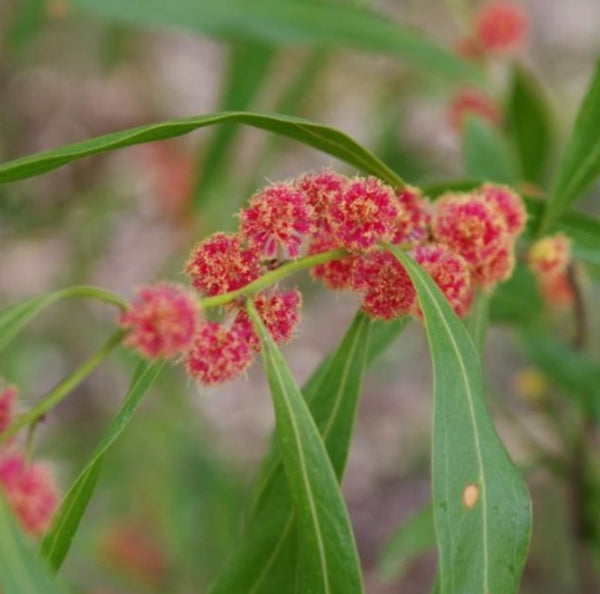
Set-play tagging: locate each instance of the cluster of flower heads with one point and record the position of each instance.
(549, 259)
(465, 241)
(29, 488)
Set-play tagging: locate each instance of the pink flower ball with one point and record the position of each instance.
(321, 190)
(501, 26)
(508, 205)
(364, 214)
(414, 217)
(218, 354)
(161, 322)
(550, 255)
(30, 491)
(336, 274)
(220, 264)
(278, 218)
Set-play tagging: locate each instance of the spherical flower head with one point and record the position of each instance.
(161, 322)
(550, 255)
(218, 354)
(8, 403)
(364, 214)
(472, 102)
(450, 273)
(501, 26)
(221, 263)
(320, 190)
(557, 291)
(508, 205)
(30, 491)
(388, 290)
(475, 230)
(278, 218)
(280, 313)
(336, 274)
(414, 217)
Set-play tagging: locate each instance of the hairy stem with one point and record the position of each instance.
(63, 389)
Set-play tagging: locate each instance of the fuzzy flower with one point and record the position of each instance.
(220, 264)
(364, 214)
(388, 290)
(8, 402)
(413, 220)
(472, 102)
(278, 217)
(218, 354)
(501, 26)
(320, 190)
(161, 321)
(508, 204)
(557, 291)
(550, 255)
(280, 313)
(337, 274)
(475, 230)
(30, 490)
(450, 273)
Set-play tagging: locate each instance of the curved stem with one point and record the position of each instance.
(94, 293)
(58, 393)
(272, 277)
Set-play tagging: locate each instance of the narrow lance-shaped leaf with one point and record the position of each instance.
(580, 163)
(324, 23)
(413, 539)
(327, 549)
(326, 139)
(57, 541)
(271, 538)
(481, 505)
(22, 571)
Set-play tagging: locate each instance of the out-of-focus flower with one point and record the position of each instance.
(161, 322)
(530, 384)
(501, 26)
(364, 214)
(469, 101)
(280, 313)
(30, 491)
(218, 354)
(278, 218)
(134, 551)
(221, 263)
(450, 273)
(550, 255)
(8, 402)
(557, 291)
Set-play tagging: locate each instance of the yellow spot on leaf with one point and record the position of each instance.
(470, 496)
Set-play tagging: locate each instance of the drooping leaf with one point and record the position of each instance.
(481, 504)
(22, 571)
(326, 139)
(14, 318)
(249, 65)
(57, 541)
(487, 154)
(328, 23)
(529, 124)
(414, 538)
(271, 538)
(580, 163)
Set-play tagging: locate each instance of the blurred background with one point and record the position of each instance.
(171, 499)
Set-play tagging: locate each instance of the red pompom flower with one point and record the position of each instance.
(501, 26)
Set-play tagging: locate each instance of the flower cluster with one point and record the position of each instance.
(29, 488)
(549, 259)
(340, 226)
(499, 27)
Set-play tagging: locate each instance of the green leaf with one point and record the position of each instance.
(481, 505)
(328, 23)
(517, 301)
(57, 541)
(529, 124)
(326, 139)
(14, 318)
(271, 539)
(486, 153)
(580, 163)
(414, 538)
(249, 65)
(22, 571)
